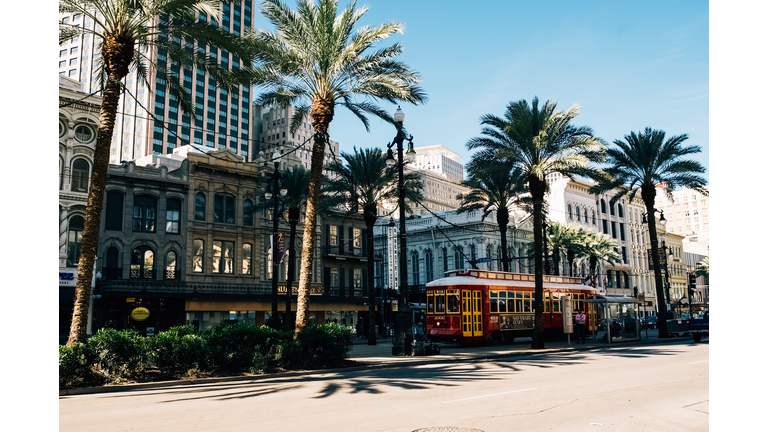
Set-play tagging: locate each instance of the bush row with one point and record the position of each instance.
(111, 356)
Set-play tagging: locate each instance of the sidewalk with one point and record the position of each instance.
(380, 355)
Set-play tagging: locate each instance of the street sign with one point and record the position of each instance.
(641, 298)
(483, 260)
(662, 259)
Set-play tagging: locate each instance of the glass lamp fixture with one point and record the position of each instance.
(399, 115)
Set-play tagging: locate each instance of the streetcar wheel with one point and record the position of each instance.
(697, 337)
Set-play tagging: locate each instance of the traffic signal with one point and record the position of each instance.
(691, 280)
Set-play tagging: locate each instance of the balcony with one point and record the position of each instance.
(344, 252)
(340, 291)
(171, 287)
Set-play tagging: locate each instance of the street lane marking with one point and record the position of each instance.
(703, 361)
(496, 394)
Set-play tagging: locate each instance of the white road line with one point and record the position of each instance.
(703, 361)
(496, 394)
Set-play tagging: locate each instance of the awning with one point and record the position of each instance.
(597, 298)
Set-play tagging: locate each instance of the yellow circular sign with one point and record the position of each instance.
(140, 313)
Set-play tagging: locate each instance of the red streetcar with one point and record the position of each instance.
(479, 306)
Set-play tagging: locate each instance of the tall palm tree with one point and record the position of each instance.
(296, 181)
(640, 163)
(128, 31)
(493, 187)
(562, 237)
(577, 246)
(361, 182)
(599, 247)
(539, 140)
(314, 61)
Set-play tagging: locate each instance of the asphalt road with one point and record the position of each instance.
(661, 387)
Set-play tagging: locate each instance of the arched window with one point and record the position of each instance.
(613, 209)
(594, 219)
(197, 256)
(621, 211)
(114, 209)
(586, 216)
(445, 260)
(76, 226)
(248, 212)
(490, 257)
(200, 206)
(429, 265)
(223, 253)
(143, 263)
(112, 266)
(578, 214)
(172, 216)
(144, 210)
(602, 205)
(224, 208)
(170, 266)
(415, 269)
(472, 253)
(570, 212)
(458, 258)
(80, 170)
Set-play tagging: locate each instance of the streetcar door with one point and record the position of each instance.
(472, 312)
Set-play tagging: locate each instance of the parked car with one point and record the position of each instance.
(650, 322)
(699, 327)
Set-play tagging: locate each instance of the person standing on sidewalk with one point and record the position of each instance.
(581, 328)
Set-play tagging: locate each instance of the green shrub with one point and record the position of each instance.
(233, 347)
(76, 367)
(121, 355)
(177, 350)
(317, 347)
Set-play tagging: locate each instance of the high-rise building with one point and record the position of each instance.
(221, 118)
(686, 213)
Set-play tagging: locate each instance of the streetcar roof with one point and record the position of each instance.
(471, 280)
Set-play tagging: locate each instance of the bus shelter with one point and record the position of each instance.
(617, 318)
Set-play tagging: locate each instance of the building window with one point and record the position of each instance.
(112, 268)
(613, 212)
(247, 254)
(197, 256)
(578, 214)
(613, 229)
(333, 235)
(144, 208)
(602, 205)
(445, 259)
(223, 252)
(429, 265)
(415, 269)
(200, 206)
(605, 226)
(143, 263)
(80, 170)
(248, 213)
(224, 208)
(172, 216)
(621, 211)
(570, 212)
(84, 134)
(75, 237)
(458, 258)
(114, 208)
(170, 265)
(488, 255)
(594, 220)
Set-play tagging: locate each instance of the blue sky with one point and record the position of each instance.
(628, 64)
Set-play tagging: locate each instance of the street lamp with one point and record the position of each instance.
(403, 326)
(663, 223)
(274, 322)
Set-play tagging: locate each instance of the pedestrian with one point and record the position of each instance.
(581, 328)
(359, 328)
(335, 321)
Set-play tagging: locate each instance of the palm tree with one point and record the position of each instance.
(577, 247)
(129, 30)
(296, 181)
(315, 62)
(493, 187)
(599, 247)
(562, 237)
(640, 163)
(361, 182)
(540, 142)
(702, 268)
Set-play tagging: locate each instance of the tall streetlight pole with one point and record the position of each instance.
(403, 326)
(274, 321)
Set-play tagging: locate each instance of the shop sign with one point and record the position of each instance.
(140, 313)
(67, 276)
(641, 298)
(130, 300)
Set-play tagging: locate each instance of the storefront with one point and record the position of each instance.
(617, 318)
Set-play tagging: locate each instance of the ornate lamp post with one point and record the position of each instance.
(663, 222)
(403, 325)
(274, 321)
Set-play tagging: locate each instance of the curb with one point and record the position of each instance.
(363, 365)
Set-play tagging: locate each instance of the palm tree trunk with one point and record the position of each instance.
(648, 194)
(322, 114)
(293, 220)
(369, 214)
(90, 242)
(592, 269)
(556, 259)
(537, 188)
(571, 255)
(502, 217)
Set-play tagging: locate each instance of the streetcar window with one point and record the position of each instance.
(430, 303)
(503, 302)
(546, 302)
(494, 296)
(519, 302)
(439, 303)
(556, 302)
(526, 302)
(453, 301)
(578, 301)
